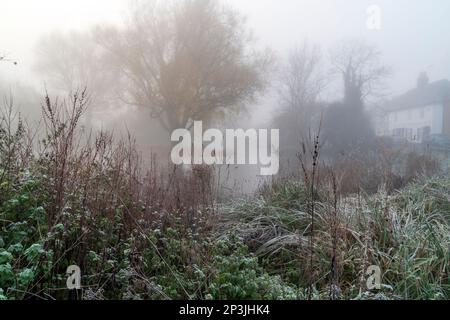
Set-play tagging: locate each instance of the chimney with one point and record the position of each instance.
(423, 80)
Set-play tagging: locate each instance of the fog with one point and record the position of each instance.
(411, 40)
(414, 27)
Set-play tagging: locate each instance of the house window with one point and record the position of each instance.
(426, 132)
(423, 133)
(409, 133)
(400, 132)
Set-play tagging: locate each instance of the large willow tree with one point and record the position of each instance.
(185, 60)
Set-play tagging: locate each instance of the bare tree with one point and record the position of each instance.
(58, 58)
(187, 60)
(361, 69)
(68, 62)
(347, 126)
(301, 83)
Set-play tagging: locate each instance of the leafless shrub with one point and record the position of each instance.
(99, 187)
(16, 140)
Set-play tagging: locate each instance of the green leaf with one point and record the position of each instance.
(2, 296)
(16, 248)
(5, 257)
(26, 276)
(6, 275)
(34, 251)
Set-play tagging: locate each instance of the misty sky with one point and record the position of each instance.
(413, 37)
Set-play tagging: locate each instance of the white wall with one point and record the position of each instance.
(417, 118)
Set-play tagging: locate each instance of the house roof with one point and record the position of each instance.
(435, 92)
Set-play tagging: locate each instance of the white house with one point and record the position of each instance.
(419, 113)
